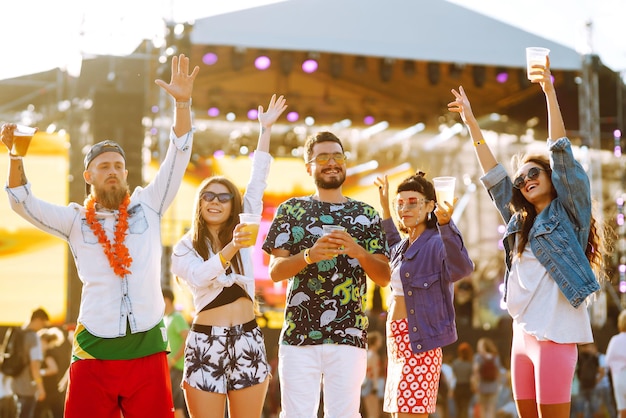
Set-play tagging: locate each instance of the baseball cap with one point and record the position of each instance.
(102, 147)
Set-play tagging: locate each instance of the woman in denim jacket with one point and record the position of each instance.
(421, 319)
(551, 246)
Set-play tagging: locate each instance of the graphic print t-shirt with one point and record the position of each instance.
(325, 301)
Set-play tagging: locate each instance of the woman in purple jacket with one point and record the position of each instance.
(424, 266)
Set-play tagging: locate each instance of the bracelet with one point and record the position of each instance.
(476, 143)
(37, 379)
(15, 157)
(307, 256)
(183, 105)
(224, 261)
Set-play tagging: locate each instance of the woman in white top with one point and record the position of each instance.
(552, 249)
(225, 354)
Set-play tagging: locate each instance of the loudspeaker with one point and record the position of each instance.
(116, 115)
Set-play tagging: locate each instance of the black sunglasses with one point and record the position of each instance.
(210, 196)
(532, 174)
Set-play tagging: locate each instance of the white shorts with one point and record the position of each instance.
(305, 370)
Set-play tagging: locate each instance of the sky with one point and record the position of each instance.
(46, 34)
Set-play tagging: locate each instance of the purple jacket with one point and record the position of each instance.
(428, 271)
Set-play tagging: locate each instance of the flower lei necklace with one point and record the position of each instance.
(117, 253)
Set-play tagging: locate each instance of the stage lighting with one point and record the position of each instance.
(479, 73)
(522, 78)
(238, 58)
(213, 112)
(455, 71)
(336, 66)
(433, 73)
(293, 116)
(502, 75)
(360, 64)
(286, 63)
(210, 58)
(253, 114)
(309, 65)
(262, 62)
(409, 68)
(386, 69)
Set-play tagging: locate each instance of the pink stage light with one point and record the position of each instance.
(210, 58)
(309, 66)
(293, 116)
(213, 112)
(368, 120)
(262, 62)
(502, 77)
(253, 114)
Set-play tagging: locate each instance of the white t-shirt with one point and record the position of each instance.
(536, 303)
(396, 282)
(616, 353)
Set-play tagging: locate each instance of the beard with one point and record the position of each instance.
(112, 198)
(333, 183)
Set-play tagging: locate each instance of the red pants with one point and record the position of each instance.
(108, 388)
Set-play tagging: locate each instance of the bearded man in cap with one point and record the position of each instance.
(119, 364)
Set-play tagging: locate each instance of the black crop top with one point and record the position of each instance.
(226, 296)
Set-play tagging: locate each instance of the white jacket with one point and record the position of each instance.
(206, 279)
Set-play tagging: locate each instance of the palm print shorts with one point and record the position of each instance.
(221, 359)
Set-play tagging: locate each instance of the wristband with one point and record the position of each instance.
(307, 256)
(476, 143)
(183, 105)
(224, 261)
(15, 157)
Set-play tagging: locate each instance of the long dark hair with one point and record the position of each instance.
(418, 183)
(528, 214)
(200, 236)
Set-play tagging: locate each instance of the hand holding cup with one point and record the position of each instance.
(444, 189)
(251, 222)
(536, 56)
(17, 138)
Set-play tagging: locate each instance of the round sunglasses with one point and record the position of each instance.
(533, 173)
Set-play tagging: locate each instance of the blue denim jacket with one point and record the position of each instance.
(558, 237)
(428, 271)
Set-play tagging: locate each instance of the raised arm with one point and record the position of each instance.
(267, 119)
(383, 195)
(461, 105)
(556, 127)
(180, 88)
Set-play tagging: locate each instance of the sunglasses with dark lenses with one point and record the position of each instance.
(324, 158)
(532, 174)
(221, 197)
(410, 203)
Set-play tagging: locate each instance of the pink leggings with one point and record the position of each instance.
(541, 370)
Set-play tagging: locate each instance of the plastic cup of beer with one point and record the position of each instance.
(328, 229)
(21, 139)
(535, 56)
(252, 222)
(444, 189)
